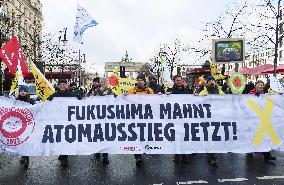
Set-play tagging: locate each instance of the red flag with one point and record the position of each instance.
(11, 54)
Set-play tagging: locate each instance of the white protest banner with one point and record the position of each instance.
(275, 84)
(155, 124)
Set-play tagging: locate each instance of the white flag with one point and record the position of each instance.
(165, 73)
(275, 85)
(83, 21)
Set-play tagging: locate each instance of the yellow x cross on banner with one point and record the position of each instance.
(265, 125)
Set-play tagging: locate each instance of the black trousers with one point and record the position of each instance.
(63, 157)
(210, 155)
(137, 156)
(103, 154)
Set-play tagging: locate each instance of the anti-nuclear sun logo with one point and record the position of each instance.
(16, 125)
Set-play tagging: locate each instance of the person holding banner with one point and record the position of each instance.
(249, 86)
(63, 91)
(140, 88)
(76, 90)
(200, 86)
(154, 86)
(211, 87)
(23, 96)
(259, 89)
(226, 87)
(100, 89)
(179, 88)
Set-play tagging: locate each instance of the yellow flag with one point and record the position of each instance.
(43, 88)
(125, 84)
(17, 81)
(201, 80)
(15, 86)
(215, 72)
(119, 85)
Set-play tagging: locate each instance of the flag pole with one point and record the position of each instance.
(80, 80)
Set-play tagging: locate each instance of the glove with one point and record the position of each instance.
(50, 98)
(257, 93)
(79, 97)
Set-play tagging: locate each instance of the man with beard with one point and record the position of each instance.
(98, 89)
(77, 90)
(179, 88)
(63, 91)
(211, 87)
(154, 86)
(23, 96)
(140, 88)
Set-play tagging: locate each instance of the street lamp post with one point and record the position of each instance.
(50, 69)
(80, 66)
(64, 40)
(62, 65)
(62, 70)
(60, 58)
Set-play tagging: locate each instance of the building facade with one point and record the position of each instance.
(131, 68)
(254, 60)
(24, 19)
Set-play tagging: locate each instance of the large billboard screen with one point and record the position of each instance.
(228, 50)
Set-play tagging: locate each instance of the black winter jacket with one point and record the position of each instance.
(26, 99)
(66, 93)
(176, 90)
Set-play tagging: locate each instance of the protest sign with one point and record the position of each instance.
(175, 124)
(228, 50)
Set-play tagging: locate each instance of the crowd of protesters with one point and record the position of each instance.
(100, 88)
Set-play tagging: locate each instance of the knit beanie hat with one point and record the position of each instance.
(23, 88)
(210, 78)
(141, 76)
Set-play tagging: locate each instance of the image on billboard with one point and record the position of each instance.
(228, 50)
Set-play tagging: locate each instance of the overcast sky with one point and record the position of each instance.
(138, 26)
